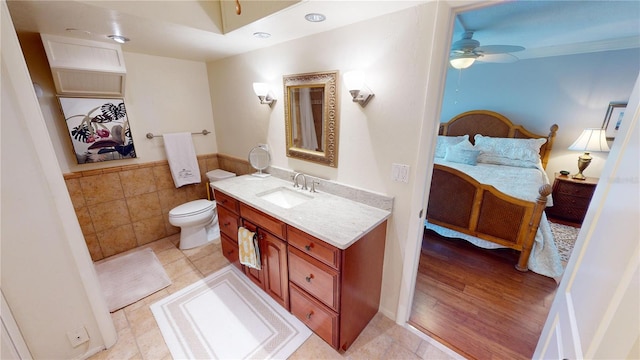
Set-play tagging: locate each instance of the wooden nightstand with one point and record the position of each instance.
(571, 198)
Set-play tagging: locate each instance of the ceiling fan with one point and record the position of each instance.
(467, 50)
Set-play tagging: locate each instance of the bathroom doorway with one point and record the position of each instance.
(435, 247)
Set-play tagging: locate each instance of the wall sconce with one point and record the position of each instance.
(264, 94)
(354, 81)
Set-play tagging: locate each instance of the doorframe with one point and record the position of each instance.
(20, 82)
(443, 26)
(11, 332)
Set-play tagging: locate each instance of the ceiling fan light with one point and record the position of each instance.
(462, 61)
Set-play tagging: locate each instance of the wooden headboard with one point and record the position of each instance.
(489, 123)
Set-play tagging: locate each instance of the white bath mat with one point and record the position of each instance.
(128, 278)
(225, 316)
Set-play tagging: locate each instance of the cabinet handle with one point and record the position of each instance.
(308, 278)
(308, 316)
(308, 247)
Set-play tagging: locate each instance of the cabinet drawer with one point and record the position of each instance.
(567, 213)
(565, 201)
(228, 223)
(264, 221)
(573, 189)
(314, 247)
(316, 316)
(230, 250)
(314, 277)
(225, 200)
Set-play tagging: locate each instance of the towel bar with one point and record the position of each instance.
(203, 132)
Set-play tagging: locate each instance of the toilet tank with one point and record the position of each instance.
(219, 174)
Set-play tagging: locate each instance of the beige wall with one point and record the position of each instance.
(47, 276)
(394, 59)
(161, 95)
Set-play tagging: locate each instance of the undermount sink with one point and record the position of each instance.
(284, 197)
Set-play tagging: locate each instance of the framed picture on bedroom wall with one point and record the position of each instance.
(613, 119)
(98, 128)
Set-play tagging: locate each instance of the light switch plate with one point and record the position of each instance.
(400, 173)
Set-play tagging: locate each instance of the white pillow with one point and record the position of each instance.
(508, 151)
(463, 153)
(443, 142)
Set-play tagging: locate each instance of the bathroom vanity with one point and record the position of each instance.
(321, 254)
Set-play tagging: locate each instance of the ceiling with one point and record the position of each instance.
(558, 27)
(190, 29)
(203, 30)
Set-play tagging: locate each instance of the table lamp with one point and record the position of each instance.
(590, 140)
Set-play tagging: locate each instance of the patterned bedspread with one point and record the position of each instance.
(522, 183)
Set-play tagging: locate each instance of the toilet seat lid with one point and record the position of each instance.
(192, 208)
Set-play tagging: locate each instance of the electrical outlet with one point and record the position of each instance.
(400, 173)
(78, 336)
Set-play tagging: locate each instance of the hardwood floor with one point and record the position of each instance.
(476, 302)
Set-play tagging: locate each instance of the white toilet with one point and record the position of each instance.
(198, 219)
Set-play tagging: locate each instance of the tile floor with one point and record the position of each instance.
(139, 336)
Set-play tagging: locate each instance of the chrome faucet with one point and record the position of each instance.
(295, 181)
(313, 185)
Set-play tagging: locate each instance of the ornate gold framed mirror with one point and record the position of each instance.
(311, 117)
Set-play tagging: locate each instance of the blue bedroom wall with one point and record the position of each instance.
(537, 92)
(572, 91)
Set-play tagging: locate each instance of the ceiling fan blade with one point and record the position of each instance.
(498, 49)
(498, 58)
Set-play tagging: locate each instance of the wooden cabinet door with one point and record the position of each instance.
(274, 261)
(257, 276)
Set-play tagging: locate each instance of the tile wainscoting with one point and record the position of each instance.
(124, 207)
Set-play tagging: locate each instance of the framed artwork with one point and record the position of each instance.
(613, 119)
(98, 128)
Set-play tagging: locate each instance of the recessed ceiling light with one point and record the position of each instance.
(118, 38)
(261, 35)
(315, 17)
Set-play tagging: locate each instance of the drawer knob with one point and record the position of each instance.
(229, 252)
(308, 247)
(226, 224)
(308, 316)
(308, 278)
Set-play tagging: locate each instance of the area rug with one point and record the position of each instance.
(565, 238)
(128, 278)
(225, 316)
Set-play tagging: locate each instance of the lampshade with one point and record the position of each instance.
(261, 89)
(462, 61)
(591, 140)
(354, 80)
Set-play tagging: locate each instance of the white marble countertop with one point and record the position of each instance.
(336, 220)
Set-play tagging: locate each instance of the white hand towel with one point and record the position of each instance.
(182, 158)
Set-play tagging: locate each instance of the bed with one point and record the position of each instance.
(489, 187)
